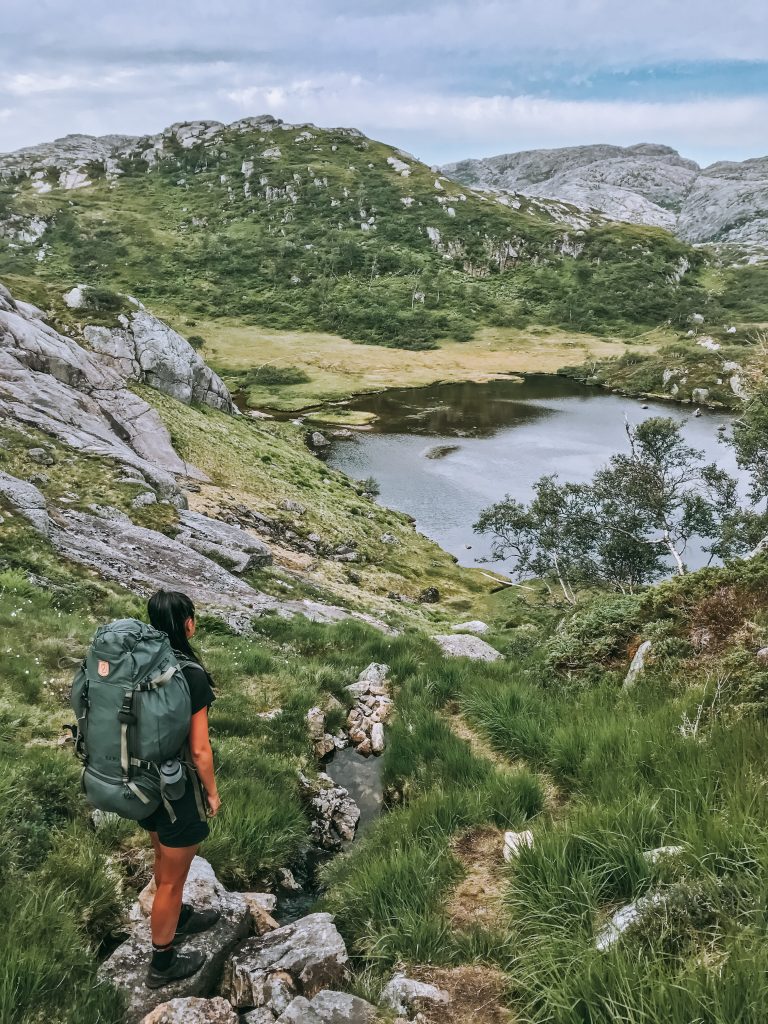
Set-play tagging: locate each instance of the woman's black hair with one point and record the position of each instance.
(168, 611)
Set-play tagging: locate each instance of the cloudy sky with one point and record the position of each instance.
(442, 80)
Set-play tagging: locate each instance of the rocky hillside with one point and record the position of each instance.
(725, 203)
(294, 226)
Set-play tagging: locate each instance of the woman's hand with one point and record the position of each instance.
(214, 804)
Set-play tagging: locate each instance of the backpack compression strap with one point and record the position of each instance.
(127, 718)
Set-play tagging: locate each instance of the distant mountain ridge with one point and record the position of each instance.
(725, 203)
(294, 226)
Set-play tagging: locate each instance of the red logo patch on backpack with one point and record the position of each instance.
(103, 668)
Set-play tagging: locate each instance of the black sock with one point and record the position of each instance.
(162, 956)
(184, 916)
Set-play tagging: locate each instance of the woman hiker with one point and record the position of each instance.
(175, 843)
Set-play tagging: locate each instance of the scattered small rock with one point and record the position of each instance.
(144, 499)
(261, 905)
(388, 538)
(624, 919)
(329, 1008)
(41, 456)
(404, 995)
(431, 595)
(287, 881)
(654, 856)
(293, 506)
(514, 843)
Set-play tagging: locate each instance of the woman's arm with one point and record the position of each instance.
(202, 757)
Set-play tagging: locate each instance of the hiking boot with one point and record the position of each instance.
(182, 965)
(195, 921)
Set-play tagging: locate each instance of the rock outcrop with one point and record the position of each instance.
(50, 382)
(237, 547)
(146, 350)
(643, 184)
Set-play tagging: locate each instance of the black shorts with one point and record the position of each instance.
(187, 830)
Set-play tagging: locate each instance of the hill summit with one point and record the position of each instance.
(299, 227)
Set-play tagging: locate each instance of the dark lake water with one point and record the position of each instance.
(445, 452)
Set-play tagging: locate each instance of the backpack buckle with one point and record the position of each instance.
(126, 713)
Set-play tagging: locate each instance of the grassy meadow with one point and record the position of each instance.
(545, 739)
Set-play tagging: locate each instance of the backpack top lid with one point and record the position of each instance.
(127, 651)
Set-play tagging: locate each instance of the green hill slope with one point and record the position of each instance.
(294, 226)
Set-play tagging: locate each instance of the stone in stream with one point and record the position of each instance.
(335, 815)
(329, 1008)
(127, 966)
(193, 1010)
(377, 738)
(466, 645)
(404, 995)
(311, 951)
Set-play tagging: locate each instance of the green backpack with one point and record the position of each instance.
(133, 715)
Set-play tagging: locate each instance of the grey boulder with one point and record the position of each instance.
(405, 995)
(329, 1008)
(311, 951)
(27, 500)
(466, 645)
(192, 1010)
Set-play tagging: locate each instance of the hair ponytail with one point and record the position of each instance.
(168, 611)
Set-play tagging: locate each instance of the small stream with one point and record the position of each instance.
(361, 777)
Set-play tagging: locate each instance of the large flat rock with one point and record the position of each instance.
(127, 966)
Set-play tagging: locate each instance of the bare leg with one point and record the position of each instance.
(171, 869)
(158, 848)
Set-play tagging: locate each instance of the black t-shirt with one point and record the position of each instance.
(200, 687)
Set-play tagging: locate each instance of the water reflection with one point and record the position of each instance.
(495, 439)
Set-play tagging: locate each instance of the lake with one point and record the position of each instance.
(445, 452)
